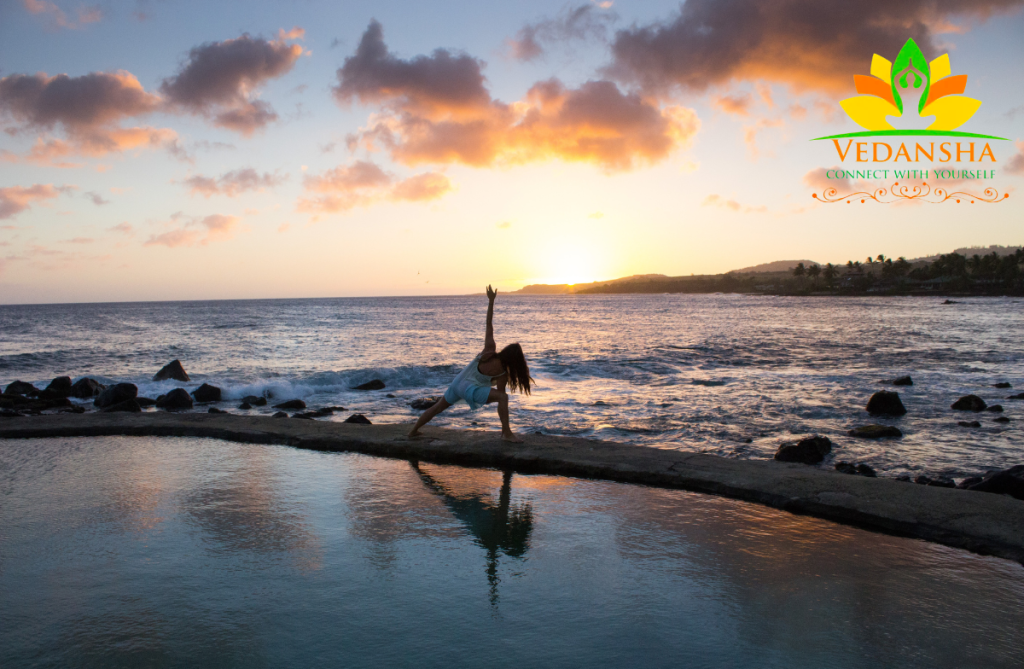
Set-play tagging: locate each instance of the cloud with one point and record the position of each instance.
(123, 229)
(362, 183)
(805, 44)
(818, 181)
(220, 80)
(88, 109)
(715, 200)
(750, 133)
(738, 105)
(79, 240)
(16, 199)
(198, 231)
(233, 183)
(578, 23)
(436, 109)
(97, 199)
(56, 16)
(1016, 163)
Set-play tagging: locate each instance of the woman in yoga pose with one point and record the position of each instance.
(491, 367)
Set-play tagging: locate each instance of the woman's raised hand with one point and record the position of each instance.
(491, 293)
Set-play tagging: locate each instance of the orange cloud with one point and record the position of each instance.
(197, 232)
(750, 133)
(233, 183)
(436, 109)
(58, 18)
(362, 184)
(16, 199)
(738, 105)
(801, 43)
(1016, 163)
(578, 23)
(715, 200)
(818, 181)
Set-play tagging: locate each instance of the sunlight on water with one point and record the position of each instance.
(188, 552)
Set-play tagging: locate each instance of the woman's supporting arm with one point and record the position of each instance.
(489, 344)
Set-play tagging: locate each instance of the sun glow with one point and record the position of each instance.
(571, 263)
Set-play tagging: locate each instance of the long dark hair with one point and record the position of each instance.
(514, 362)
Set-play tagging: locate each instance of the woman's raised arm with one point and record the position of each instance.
(489, 344)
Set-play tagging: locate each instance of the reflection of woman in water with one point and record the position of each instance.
(491, 367)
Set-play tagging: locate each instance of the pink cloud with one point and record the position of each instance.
(16, 199)
(58, 18)
(362, 184)
(233, 183)
(197, 231)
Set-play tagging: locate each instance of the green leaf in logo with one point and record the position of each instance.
(910, 70)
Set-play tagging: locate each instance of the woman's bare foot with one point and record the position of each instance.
(415, 433)
(511, 437)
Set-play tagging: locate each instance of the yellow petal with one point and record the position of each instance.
(951, 112)
(869, 112)
(881, 68)
(940, 67)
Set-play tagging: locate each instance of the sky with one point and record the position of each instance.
(176, 149)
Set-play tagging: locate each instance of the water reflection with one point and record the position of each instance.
(502, 527)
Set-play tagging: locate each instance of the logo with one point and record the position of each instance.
(911, 97)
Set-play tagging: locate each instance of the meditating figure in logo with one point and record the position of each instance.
(484, 380)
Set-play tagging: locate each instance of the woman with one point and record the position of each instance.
(491, 367)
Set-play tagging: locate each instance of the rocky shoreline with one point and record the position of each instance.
(989, 524)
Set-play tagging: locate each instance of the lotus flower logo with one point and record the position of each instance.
(907, 94)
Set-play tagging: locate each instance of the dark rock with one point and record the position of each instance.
(244, 406)
(216, 410)
(71, 409)
(307, 416)
(21, 388)
(206, 393)
(969, 423)
(59, 387)
(951, 302)
(9, 413)
(115, 394)
(938, 482)
(866, 470)
(1002, 384)
(33, 405)
(968, 403)
(86, 388)
(255, 401)
(291, 404)
(903, 478)
(968, 482)
(903, 381)
(810, 450)
(887, 403)
(1018, 396)
(376, 384)
(128, 405)
(172, 370)
(175, 400)
(424, 403)
(390, 396)
(875, 431)
(358, 418)
(1006, 482)
(995, 408)
(280, 414)
(1002, 419)
(145, 401)
(845, 468)
(332, 409)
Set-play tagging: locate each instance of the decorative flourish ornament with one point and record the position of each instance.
(923, 192)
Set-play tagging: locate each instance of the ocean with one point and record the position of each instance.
(733, 375)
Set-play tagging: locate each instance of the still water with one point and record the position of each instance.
(149, 552)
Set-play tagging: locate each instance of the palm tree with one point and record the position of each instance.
(829, 273)
(814, 271)
(799, 270)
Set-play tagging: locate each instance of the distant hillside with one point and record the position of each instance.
(566, 289)
(777, 266)
(974, 250)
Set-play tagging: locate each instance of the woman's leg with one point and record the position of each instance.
(425, 417)
(501, 397)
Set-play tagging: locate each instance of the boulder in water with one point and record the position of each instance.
(280, 414)
(424, 403)
(145, 401)
(255, 400)
(968, 482)
(86, 388)
(903, 381)
(376, 384)
(1006, 482)
(216, 410)
(291, 404)
(172, 370)
(968, 423)
(1002, 384)
(995, 408)
(59, 387)
(206, 393)
(1018, 396)
(175, 400)
(359, 419)
(810, 450)
(886, 403)
(1002, 419)
(968, 403)
(244, 406)
(859, 469)
(128, 405)
(875, 431)
(21, 388)
(115, 394)
(937, 482)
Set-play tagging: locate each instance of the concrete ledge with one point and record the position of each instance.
(980, 522)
